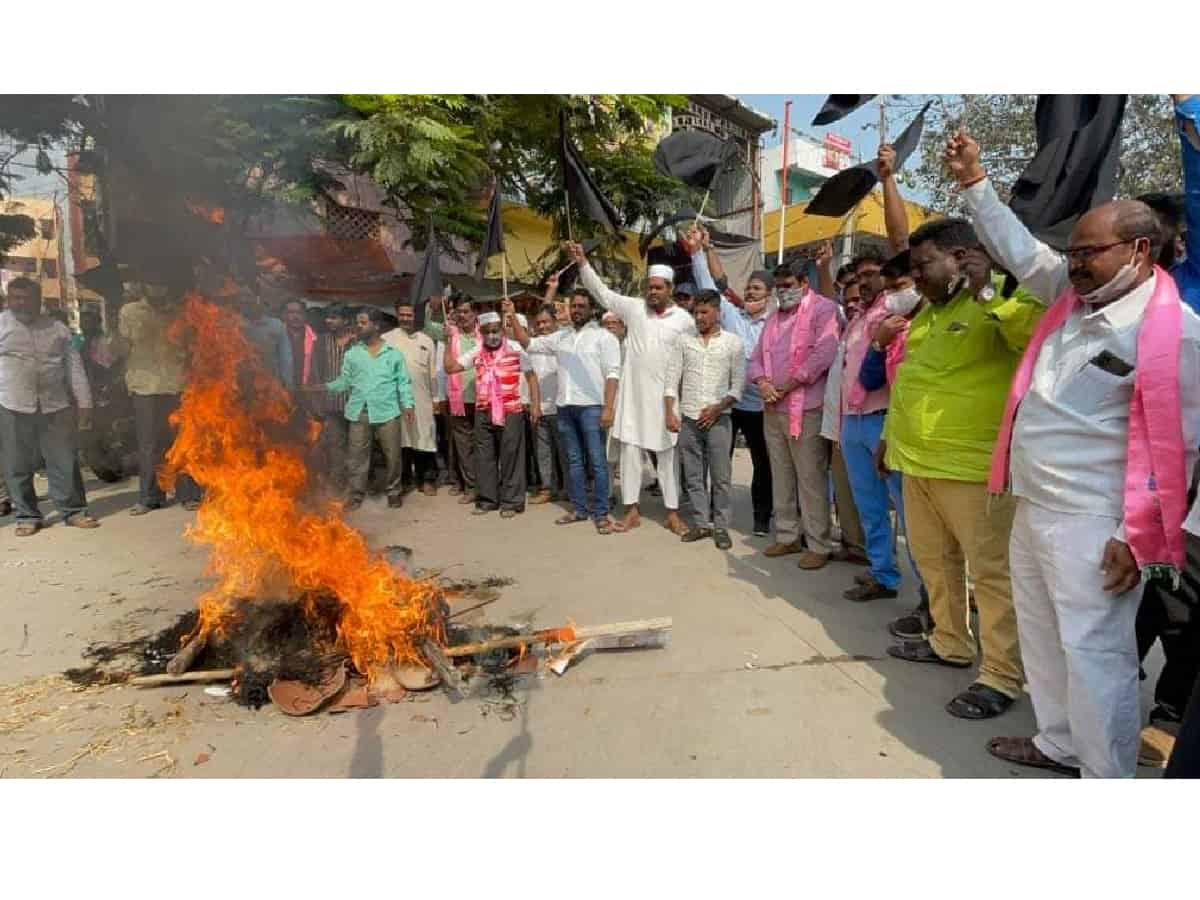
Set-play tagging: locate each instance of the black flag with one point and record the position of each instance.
(582, 190)
(1079, 145)
(838, 106)
(493, 241)
(428, 280)
(847, 188)
(694, 157)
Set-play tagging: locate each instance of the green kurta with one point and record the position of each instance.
(950, 389)
(379, 383)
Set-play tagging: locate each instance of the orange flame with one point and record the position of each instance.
(269, 538)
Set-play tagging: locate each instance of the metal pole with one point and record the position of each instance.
(783, 195)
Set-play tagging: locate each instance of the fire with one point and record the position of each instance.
(270, 538)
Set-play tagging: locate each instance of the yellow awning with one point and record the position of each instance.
(867, 218)
(527, 236)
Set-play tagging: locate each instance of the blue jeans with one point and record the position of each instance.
(583, 441)
(25, 436)
(860, 438)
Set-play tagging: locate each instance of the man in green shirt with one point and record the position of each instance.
(946, 406)
(380, 389)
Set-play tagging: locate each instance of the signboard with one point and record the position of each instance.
(837, 151)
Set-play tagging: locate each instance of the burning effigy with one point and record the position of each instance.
(301, 609)
(275, 541)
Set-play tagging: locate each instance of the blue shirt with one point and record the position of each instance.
(740, 323)
(1187, 273)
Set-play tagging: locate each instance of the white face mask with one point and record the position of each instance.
(1116, 286)
(901, 303)
(789, 297)
(492, 341)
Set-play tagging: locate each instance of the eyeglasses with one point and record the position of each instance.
(1079, 254)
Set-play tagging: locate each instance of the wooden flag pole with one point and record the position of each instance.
(504, 274)
(570, 232)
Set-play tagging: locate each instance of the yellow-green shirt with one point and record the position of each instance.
(951, 387)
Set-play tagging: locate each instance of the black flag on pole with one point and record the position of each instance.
(493, 241)
(1075, 168)
(694, 157)
(838, 106)
(428, 280)
(583, 192)
(847, 188)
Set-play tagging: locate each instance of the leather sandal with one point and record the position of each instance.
(1024, 752)
(979, 702)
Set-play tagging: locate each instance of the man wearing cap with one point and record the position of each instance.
(500, 366)
(790, 366)
(654, 325)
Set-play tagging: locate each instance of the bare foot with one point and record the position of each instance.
(632, 520)
(674, 523)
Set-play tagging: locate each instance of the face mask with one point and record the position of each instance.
(789, 297)
(1117, 286)
(901, 303)
(492, 341)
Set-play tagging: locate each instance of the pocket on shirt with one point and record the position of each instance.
(1091, 389)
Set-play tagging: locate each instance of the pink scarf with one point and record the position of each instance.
(801, 332)
(871, 319)
(310, 340)
(454, 385)
(1155, 480)
(498, 373)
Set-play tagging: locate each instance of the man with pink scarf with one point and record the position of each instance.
(790, 365)
(1098, 443)
(499, 366)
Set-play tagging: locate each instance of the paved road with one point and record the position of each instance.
(770, 673)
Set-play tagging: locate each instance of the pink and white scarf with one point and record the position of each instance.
(801, 341)
(1155, 481)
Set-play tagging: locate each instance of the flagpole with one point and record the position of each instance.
(570, 233)
(504, 274)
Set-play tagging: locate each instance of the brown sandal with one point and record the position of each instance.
(569, 519)
(1024, 752)
(604, 526)
(27, 529)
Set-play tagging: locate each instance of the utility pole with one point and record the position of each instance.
(783, 194)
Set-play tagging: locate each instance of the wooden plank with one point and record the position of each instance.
(183, 678)
(443, 666)
(639, 633)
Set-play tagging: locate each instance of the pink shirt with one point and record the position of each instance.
(813, 370)
(859, 334)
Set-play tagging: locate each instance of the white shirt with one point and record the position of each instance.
(1071, 433)
(701, 373)
(1040, 269)
(650, 340)
(585, 358)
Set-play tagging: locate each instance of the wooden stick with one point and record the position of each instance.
(466, 609)
(182, 661)
(183, 678)
(570, 233)
(504, 274)
(703, 204)
(566, 635)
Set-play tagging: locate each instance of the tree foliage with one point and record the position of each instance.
(434, 154)
(1003, 124)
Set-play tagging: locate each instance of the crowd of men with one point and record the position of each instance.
(1029, 419)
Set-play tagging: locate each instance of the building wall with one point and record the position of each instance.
(39, 257)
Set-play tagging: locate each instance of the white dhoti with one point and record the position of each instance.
(631, 475)
(1077, 641)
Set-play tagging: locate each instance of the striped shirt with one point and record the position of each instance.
(327, 361)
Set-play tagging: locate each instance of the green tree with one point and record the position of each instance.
(435, 154)
(1003, 124)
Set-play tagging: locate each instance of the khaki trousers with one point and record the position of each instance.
(799, 466)
(853, 536)
(946, 521)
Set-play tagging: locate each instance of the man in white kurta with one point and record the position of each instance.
(654, 325)
(419, 438)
